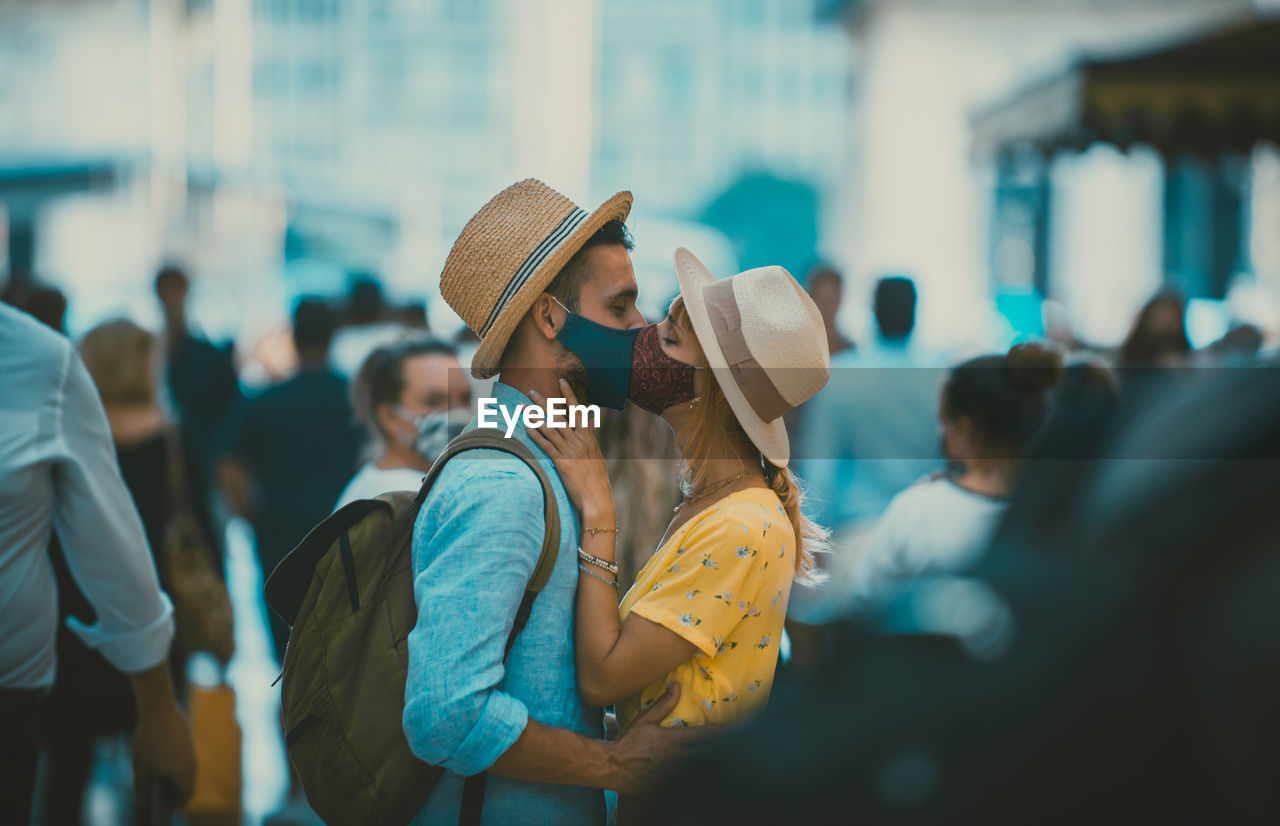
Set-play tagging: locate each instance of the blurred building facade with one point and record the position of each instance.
(269, 140)
(919, 200)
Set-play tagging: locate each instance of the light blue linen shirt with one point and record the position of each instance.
(475, 545)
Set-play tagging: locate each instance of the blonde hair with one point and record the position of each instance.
(714, 425)
(120, 356)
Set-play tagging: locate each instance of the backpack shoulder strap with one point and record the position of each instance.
(489, 439)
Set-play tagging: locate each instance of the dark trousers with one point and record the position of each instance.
(19, 747)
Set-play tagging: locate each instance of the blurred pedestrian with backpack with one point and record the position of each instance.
(293, 449)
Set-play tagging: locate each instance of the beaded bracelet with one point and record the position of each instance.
(611, 567)
(594, 575)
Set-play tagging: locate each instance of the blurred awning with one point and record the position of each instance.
(1215, 94)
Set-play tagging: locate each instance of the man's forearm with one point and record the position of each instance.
(152, 687)
(554, 755)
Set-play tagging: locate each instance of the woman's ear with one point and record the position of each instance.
(388, 422)
(958, 434)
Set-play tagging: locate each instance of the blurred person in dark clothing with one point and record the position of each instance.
(200, 376)
(293, 449)
(1115, 665)
(1067, 452)
(89, 698)
(1238, 347)
(43, 303)
(58, 474)
(825, 286)
(867, 436)
(1156, 349)
(1159, 334)
(991, 409)
(365, 324)
(412, 398)
(414, 316)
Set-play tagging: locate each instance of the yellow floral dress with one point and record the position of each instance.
(722, 583)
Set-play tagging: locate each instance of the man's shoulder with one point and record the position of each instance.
(32, 356)
(488, 475)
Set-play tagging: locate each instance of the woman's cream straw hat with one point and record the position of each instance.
(509, 252)
(765, 341)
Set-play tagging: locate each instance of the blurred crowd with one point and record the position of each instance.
(1066, 545)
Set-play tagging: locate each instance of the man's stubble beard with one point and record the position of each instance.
(571, 369)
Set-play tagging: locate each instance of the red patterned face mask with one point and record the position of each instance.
(658, 381)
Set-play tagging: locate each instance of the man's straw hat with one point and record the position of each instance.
(765, 342)
(509, 252)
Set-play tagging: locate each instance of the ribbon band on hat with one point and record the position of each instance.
(726, 320)
(536, 257)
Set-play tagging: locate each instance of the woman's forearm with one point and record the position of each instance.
(598, 625)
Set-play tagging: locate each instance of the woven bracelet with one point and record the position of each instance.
(594, 575)
(611, 567)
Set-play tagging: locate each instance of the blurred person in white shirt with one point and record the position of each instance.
(412, 398)
(992, 407)
(58, 472)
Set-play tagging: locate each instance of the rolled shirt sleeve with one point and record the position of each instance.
(102, 534)
(475, 545)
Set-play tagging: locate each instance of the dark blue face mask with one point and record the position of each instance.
(605, 352)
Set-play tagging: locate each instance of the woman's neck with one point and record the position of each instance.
(989, 477)
(131, 423)
(398, 456)
(730, 459)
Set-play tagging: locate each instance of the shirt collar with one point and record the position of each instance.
(508, 395)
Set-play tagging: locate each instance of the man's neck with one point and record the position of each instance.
(544, 380)
(176, 327)
(312, 361)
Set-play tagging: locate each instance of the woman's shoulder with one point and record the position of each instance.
(753, 511)
(924, 490)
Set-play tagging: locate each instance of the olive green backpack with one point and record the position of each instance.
(347, 593)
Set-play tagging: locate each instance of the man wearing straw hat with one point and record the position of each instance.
(549, 288)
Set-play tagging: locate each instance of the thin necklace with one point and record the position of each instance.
(710, 490)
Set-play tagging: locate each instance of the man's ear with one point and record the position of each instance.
(543, 314)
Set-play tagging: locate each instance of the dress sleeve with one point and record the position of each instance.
(711, 582)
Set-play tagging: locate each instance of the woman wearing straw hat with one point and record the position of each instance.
(706, 611)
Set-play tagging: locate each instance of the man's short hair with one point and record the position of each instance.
(895, 306)
(364, 299)
(170, 275)
(567, 285)
(822, 272)
(313, 323)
